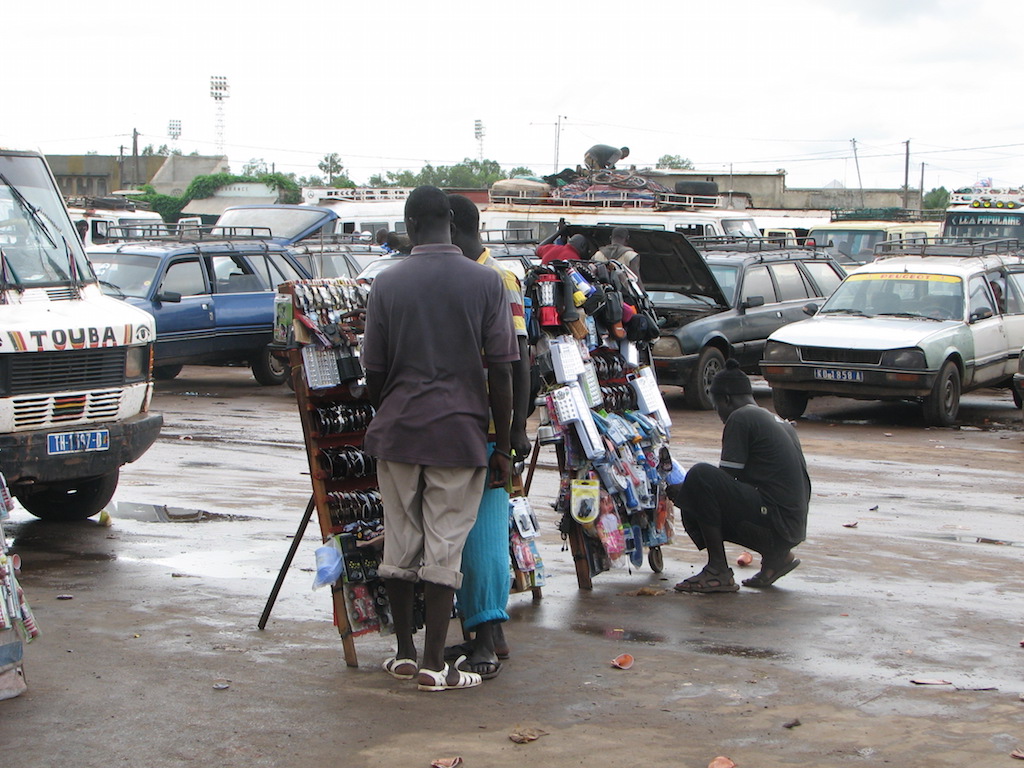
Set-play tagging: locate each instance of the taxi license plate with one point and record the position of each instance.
(838, 374)
(77, 442)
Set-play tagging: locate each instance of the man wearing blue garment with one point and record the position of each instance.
(483, 597)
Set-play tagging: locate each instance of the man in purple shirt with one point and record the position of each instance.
(428, 320)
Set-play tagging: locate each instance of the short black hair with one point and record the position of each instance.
(465, 214)
(428, 202)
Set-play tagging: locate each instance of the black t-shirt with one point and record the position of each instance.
(762, 450)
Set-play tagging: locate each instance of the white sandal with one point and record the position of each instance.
(439, 680)
(393, 663)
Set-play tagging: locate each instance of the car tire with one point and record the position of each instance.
(789, 404)
(943, 404)
(698, 392)
(698, 188)
(268, 369)
(1017, 399)
(166, 372)
(69, 500)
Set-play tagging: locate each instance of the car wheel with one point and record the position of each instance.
(943, 404)
(166, 372)
(790, 404)
(698, 392)
(268, 369)
(69, 500)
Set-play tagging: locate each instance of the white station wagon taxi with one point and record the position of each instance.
(924, 322)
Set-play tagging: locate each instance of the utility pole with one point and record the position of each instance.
(906, 176)
(120, 169)
(135, 158)
(558, 138)
(922, 186)
(856, 162)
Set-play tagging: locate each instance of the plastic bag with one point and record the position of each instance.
(328, 565)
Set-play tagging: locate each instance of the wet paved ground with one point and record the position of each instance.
(927, 586)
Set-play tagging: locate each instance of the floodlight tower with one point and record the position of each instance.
(174, 131)
(219, 92)
(478, 132)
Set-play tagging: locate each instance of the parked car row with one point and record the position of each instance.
(926, 321)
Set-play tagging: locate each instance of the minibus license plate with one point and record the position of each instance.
(77, 442)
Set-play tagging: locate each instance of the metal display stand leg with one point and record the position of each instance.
(287, 562)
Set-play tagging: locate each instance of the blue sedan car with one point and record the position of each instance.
(213, 298)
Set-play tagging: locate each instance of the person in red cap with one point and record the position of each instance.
(756, 497)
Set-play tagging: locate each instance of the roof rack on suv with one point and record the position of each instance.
(111, 203)
(957, 247)
(186, 232)
(509, 236)
(887, 214)
(745, 244)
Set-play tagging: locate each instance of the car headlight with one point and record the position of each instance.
(667, 346)
(136, 363)
(777, 352)
(912, 358)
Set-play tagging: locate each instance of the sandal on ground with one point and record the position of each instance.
(488, 670)
(760, 581)
(439, 680)
(391, 666)
(709, 581)
(452, 652)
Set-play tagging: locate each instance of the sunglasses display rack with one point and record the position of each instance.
(592, 327)
(321, 323)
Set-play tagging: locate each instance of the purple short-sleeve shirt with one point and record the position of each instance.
(428, 319)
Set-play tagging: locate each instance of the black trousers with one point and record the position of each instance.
(712, 496)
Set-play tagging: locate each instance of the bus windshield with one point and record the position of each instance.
(38, 245)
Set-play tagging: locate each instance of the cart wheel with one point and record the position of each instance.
(656, 560)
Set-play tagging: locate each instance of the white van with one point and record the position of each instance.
(95, 219)
(855, 240)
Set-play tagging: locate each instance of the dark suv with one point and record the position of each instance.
(764, 285)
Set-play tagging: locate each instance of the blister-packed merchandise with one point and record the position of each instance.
(603, 412)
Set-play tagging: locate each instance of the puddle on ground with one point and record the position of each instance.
(970, 539)
(740, 651)
(618, 633)
(161, 513)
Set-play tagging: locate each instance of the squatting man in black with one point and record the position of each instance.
(757, 497)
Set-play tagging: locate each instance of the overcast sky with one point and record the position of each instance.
(395, 84)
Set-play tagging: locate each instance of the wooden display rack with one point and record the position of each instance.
(344, 395)
(319, 442)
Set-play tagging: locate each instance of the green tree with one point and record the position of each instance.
(937, 198)
(257, 166)
(170, 206)
(331, 165)
(520, 170)
(675, 162)
(147, 150)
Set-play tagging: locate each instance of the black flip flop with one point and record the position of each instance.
(475, 666)
(452, 652)
(759, 582)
